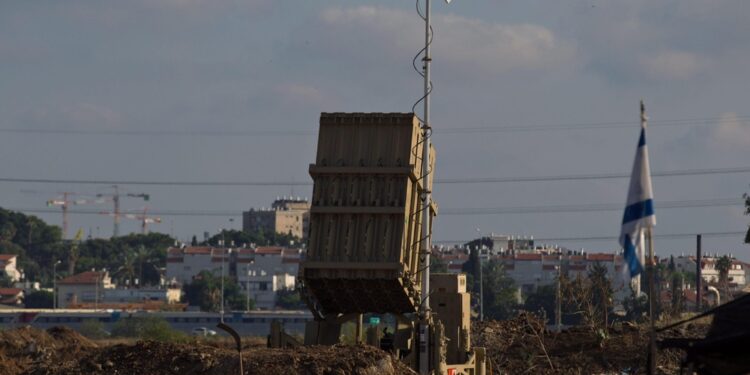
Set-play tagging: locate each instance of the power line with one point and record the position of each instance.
(454, 211)
(613, 237)
(438, 130)
(588, 207)
(467, 180)
(601, 176)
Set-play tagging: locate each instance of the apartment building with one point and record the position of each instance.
(738, 275)
(260, 272)
(287, 215)
(83, 288)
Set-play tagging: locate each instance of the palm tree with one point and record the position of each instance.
(126, 271)
(723, 265)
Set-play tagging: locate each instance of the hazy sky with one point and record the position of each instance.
(219, 90)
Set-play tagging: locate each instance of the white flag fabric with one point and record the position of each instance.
(639, 209)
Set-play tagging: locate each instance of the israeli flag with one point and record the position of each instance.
(639, 209)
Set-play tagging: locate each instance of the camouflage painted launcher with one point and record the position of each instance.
(363, 253)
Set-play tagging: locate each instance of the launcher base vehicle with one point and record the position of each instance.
(365, 237)
(724, 349)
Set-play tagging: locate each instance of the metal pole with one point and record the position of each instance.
(651, 300)
(221, 310)
(247, 288)
(481, 283)
(558, 298)
(698, 274)
(116, 200)
(424, 334)
(54, 285)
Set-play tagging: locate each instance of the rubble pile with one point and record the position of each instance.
(149, 357)
(519, 345)
(23, 348)
(524, 345)
(61, 351)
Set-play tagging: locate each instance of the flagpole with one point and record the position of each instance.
(651, 302)
(651, 370)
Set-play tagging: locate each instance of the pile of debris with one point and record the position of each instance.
(22, 349)
(524, 345)
(61, 351)
(149, 357)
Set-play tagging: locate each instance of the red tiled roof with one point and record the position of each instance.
(528, 257)
(601, 257)
(269, 250)
(88, 277)
(10, 291)
(197, 250)
(7, 257)
(174, 251)
(290, 260)
(454, 266)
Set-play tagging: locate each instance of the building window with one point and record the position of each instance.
(263, 286)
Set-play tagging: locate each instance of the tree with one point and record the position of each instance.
(259, 238)
(746, 197)
(40, 299)
(636, 306)
(499, 292)
(5, 281)
(678, 299)
(205, 292)
(723, 265)
(601, 293)
(542, 300)
(289, 299)
(437, 265)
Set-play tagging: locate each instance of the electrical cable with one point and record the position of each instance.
(607, 125)
(465, 180)
(719, 202)
(613, 238)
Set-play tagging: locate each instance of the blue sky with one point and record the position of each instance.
(260, 65)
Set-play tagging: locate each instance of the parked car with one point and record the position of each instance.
(203, 331)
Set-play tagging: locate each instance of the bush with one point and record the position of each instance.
(41, 299)
(148, 328)
(93, 329)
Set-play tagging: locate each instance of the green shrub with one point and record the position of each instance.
(147, 328)
(93, 329)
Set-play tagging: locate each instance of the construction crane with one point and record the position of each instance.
(116, 214)
(64, 200)
(142, 217)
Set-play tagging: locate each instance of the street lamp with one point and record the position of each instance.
(225, 253)
(54, 284)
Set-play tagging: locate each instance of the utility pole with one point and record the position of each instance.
(116, 200)
(54, 285)
(558, 297)
(698, 274)
(481, 277)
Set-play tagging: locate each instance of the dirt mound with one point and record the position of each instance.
(21, 348)
(149, 357)
(524, 345)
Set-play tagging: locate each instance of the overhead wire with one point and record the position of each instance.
(720, 202)
(458, 180)
(614, 237)
(743, 120)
